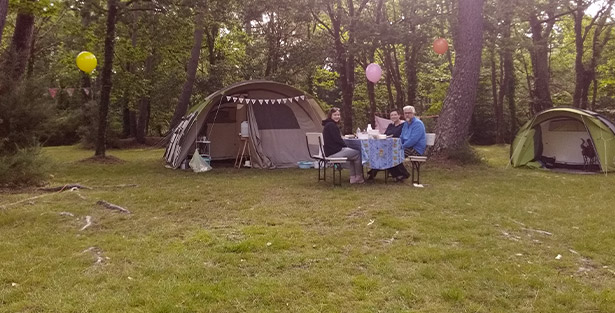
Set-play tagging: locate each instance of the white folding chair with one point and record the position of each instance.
(316, 140)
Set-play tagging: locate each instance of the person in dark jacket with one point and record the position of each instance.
(335, 147)
(394, 130)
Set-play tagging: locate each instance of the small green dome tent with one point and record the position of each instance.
(565, 138)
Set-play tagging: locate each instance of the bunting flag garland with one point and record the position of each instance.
(53, 92)
(70, 91)
(245, 100)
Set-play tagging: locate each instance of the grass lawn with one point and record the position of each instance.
(476, 239)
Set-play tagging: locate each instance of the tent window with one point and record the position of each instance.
(225, 115)
(566, 126)
(275, 116)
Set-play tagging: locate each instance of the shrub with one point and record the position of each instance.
(25, 167)
(23, 113)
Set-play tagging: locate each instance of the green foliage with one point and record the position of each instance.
(24, 167)
(24, 109)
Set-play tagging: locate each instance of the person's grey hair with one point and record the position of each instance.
(409, 108)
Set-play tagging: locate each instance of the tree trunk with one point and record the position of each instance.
(4, 9)
(105, 93)
(145, 103)
(17, 56)
(497, 103)
(389, 81)
(594, 93)
(129, 118)
(343, 56)
(348, 92)
(399, 97)
(579, 69)
(125, 119)
(507, 88)
(32, 53)
(540, 63)
(411, 56)
(193, 63)
(586, 74)
(454, 121)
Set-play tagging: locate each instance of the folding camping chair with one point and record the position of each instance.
(315, 139)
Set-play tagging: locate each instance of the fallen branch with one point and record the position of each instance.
(24, 200)
(62, 188)
(538, 231)
(88, 223)
(112, 206)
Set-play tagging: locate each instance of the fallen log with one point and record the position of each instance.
(112, 206)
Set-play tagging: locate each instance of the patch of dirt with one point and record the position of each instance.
(109, 159)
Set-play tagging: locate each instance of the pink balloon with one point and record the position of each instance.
(373, 72)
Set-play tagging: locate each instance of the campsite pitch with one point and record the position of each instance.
(477, 239)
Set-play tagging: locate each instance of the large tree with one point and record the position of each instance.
(193, 63)
(15, 59)
(105, 93)
(343, 19)
(454, 121)
(586, 72)
(4, 10)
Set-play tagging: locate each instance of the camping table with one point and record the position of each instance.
(378, 154)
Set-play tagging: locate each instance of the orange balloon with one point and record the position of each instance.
(440, 46)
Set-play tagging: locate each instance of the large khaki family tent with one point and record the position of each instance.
(566, 138)
(277, 116)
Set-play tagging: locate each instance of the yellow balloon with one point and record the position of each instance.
(86, 61)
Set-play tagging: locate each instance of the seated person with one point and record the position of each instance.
(335, 147)
(413, 140)
(394, 130)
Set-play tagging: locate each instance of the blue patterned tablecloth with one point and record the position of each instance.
(378, 153)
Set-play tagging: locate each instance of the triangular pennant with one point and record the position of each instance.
(235, 99)
(278, 101)
(284, 100)
(228, 98)
(240, 100)
(267, 101)
(87, 91)
(70, 91)
(302, 97)
(53, 92)
(260, 101)
(253, 101)
(297, 98)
